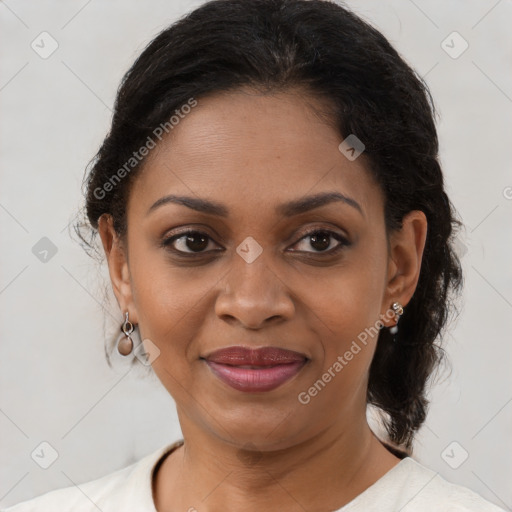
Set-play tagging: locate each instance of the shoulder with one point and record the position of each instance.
(428, 490)
(411, 487)
(128, 488)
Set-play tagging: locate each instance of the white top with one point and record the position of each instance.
(407, 487)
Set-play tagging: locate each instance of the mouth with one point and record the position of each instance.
(255, 370)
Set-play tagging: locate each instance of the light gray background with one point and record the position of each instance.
(55, 383)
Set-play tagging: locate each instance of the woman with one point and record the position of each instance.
(273, 215)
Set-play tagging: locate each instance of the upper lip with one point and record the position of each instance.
(264, 356)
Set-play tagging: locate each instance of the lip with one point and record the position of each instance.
(238, 355)
(255, 370)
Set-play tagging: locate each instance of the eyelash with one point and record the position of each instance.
(343, 242)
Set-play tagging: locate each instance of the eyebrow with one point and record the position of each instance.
(288, 209)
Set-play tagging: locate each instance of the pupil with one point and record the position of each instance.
(194, 246)
(322, 238)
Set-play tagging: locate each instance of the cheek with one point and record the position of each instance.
(349, 334)
(349, 300)
(345, 309)
(344, 314)
(170, 301)
(170, 307)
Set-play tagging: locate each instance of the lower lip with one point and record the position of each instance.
(255, 380)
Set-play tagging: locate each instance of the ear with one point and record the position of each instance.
(117, 265)
(405, 255)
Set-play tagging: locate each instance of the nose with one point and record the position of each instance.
(253, 295)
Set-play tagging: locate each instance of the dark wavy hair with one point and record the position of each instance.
(329, 53)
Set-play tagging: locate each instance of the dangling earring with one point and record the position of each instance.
(125, 344)
(399, 311)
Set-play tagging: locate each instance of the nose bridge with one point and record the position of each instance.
(253, 292)
(253, 276)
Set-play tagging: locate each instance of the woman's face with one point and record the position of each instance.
(255, 275)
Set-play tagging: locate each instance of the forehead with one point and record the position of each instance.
(253, 150)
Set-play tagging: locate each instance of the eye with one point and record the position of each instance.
(188, 242)
(322, 241)
(198, 242)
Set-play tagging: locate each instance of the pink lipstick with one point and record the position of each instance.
(255, 370)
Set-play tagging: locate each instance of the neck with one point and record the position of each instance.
(325, 471)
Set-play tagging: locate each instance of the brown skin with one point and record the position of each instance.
(262, 451)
